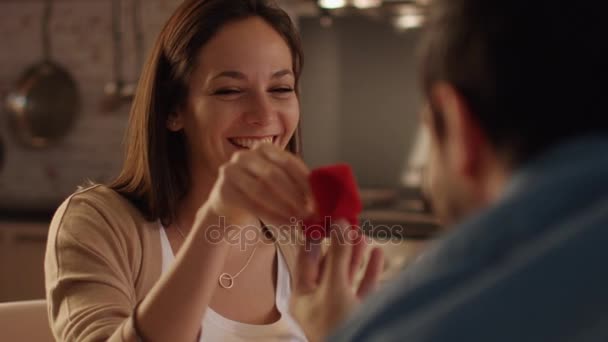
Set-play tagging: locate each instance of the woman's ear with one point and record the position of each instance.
(175, 122)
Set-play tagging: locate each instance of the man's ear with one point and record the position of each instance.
(463, 138)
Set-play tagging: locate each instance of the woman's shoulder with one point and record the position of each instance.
(97, 236)
(102, 199)
(98, 208)
(99, 196)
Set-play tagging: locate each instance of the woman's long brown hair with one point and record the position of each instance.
(155, 175)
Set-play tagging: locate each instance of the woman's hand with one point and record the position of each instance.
(325, 291)
(267, 181)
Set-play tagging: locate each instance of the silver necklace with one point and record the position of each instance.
(225, 280)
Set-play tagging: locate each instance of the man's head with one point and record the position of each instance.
(505, 82)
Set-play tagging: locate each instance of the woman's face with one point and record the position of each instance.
(241, 92)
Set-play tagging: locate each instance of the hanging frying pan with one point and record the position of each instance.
(1, 153)
(119, 92)
(44, 104)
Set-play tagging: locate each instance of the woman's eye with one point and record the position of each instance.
(282, 90)
(227, 91)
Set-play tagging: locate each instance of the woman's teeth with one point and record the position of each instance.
(250, 142)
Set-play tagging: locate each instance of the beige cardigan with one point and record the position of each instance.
(102, 258)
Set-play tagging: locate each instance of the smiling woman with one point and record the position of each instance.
(212, 142)
(203, 76)
(242, 90)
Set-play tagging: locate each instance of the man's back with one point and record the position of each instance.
(530, 268)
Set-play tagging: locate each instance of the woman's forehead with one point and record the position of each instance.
(248, 45)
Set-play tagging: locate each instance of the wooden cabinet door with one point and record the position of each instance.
(22, 266)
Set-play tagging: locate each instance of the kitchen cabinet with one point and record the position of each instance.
(398, 254)
(22, 248)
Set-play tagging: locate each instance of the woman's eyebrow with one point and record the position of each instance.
(230, 74)
(281, 73)
(241, 76)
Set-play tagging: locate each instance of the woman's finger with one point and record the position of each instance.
(308, 267)
(372, 273)
(255, 196)
(279, 186)
(359, 247)
(294, 167)
(339, 254)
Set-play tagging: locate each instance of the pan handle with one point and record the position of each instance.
(47, 15)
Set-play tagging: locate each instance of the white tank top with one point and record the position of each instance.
(219, 328)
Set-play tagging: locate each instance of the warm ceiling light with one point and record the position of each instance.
(408, 21)
(331, 4)
(367, 3)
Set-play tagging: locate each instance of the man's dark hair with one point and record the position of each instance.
(534, 73)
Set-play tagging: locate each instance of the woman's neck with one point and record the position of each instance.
(200, 188)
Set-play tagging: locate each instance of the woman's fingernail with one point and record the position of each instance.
(310, 207)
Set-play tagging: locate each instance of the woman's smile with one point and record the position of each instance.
(251, 142)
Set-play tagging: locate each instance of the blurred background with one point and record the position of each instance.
(360, 104)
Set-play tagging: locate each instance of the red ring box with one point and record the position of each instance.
(336, 196)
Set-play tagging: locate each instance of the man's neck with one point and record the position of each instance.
(496, 178)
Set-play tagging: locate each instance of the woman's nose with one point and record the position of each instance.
(261, 112)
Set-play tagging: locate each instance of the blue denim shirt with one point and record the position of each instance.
(533, 267)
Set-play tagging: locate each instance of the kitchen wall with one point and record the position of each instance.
(35, 180)
(359, 96)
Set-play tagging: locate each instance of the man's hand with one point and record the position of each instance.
(325, 293)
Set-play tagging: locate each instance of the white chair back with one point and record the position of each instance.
(25, 321)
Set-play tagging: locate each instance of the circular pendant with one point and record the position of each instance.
(226, 281)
